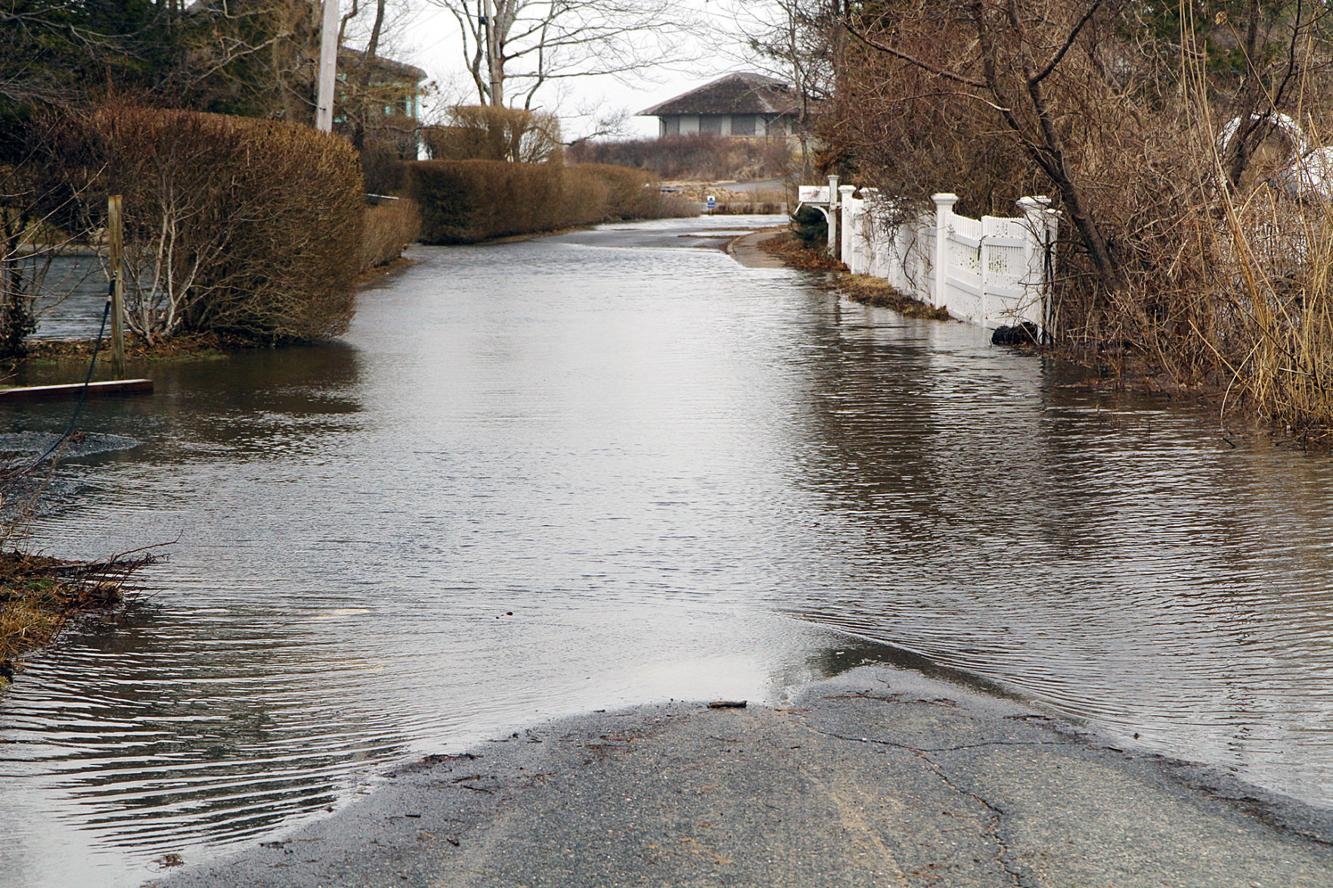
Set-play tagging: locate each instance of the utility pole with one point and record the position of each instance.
(328, 66)
(494, 64)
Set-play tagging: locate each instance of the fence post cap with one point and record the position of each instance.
(846, 189)
(1036, 202)
(945, 198)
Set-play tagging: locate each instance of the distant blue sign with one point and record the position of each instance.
(710, 203)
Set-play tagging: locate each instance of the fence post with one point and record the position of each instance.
(833, 213)
(868, 198)
(847, 216)
(1037, 248)
(115, 227)
(943, 224)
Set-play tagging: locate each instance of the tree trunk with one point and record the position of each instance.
(367, 71)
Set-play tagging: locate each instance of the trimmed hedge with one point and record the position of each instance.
(467, 201)
(250, 228)
(387, 230)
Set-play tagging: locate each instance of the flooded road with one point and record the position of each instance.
(613, 467)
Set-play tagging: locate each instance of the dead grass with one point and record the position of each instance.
(795, 254)
(863, 288)
(730, 202)
(171, 348)
(40, 594)
(878, 292)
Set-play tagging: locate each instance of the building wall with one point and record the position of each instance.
(753, 126)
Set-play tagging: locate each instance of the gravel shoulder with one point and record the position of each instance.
(880, 776)
(747, 251)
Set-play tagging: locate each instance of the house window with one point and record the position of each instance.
(671, 126)
(777, 127)
(742, 124)
(711, 124)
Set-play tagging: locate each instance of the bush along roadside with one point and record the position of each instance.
(388, 228)
(468, 201)
(245, 228)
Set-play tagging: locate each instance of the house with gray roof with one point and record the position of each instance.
(750, 106)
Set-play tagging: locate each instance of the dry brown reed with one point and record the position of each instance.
(1181, 257)
(704, 156)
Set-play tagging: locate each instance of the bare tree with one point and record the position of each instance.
(484, 132)
(1016, 49)
(368, 33)
(801, 42)
(514, 48)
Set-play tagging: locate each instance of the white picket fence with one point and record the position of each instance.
(990, 271)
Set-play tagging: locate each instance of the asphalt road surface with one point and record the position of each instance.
(879, 777)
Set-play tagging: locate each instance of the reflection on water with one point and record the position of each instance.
(70, 299)
(552, 476)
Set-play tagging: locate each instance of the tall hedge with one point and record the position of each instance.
(467, 201)
(244, 227)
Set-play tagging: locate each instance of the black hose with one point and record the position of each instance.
(83, 396)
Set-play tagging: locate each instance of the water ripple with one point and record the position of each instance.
(552, 476)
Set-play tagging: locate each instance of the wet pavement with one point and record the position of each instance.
(880, 777)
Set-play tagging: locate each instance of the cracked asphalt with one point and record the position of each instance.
(878, 777)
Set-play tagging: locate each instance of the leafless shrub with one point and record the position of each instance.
(474, 200)
(32, 213)
(630, 193)
(482, 132)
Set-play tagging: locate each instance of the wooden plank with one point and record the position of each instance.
(73, 389)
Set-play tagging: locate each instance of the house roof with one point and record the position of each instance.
(347, 55)
(732, 94)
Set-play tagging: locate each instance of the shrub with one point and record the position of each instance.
(703, 156)
(482, 132)
(249, 228)
(474, 200)
(381, 168)
(811, 228)
(388, 228)
(631, 194)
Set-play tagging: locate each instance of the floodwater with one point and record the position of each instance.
(613, 467)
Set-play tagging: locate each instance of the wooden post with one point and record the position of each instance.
(115, 229)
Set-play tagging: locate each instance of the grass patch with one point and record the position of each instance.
(863, 288)
(794, 253)
(877, 291)
(40, 594)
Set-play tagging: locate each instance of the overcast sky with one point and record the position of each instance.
(428, 38)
